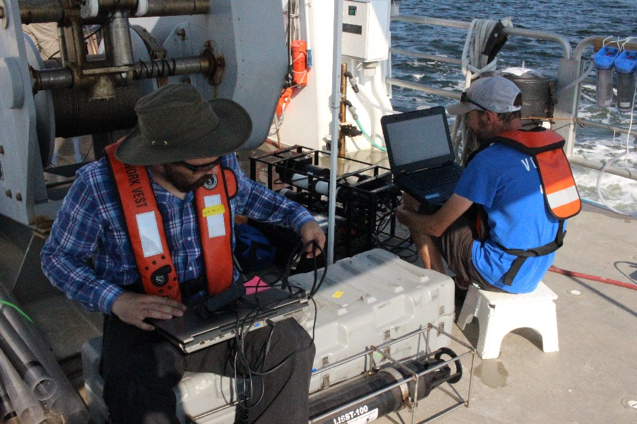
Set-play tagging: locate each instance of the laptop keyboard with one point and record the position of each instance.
(436, 177)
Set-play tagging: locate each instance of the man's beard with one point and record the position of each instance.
(181, 183)
(477, 136)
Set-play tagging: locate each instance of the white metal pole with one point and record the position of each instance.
(335, 103)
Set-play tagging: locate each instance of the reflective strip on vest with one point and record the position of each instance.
(214, 212)
(148, 230)
(562, 197)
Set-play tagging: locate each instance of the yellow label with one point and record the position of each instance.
(213, 210)
(337, 294)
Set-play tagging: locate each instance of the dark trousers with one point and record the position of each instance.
(140, 369)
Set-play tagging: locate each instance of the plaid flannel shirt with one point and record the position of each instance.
(89, 255)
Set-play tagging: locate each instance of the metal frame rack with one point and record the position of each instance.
(365, 192)
(409, 385)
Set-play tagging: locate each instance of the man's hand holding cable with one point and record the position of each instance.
(311, 231)
(134, 308)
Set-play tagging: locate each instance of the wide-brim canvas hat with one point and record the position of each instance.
(175, 124)
(496, 94)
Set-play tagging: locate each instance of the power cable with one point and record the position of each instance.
(243, 372)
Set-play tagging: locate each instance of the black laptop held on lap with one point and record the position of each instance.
(421, 154)
(194, 331)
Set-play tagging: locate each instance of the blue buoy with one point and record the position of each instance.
(605, 63)
(626, 66)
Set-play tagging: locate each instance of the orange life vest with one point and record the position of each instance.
(558, 185)
(148, 238)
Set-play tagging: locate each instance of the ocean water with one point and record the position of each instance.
(572, 19)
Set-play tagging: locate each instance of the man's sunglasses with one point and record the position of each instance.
(465, 98)
(200, 168)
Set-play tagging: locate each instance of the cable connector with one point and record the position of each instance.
(350, 130)
(351, 108)
(349, 76)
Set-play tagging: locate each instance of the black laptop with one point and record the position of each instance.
(193, 331)
(421, 154)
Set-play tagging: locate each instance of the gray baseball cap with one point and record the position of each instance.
(496, 94)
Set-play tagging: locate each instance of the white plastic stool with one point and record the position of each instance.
(501, 313)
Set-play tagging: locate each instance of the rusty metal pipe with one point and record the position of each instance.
(170, 67)
(121, 49)
(178, 7)
(42, 11)
(50, 79)
(111, 5)
(79, 48)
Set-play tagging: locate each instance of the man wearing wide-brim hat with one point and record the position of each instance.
(148, 229)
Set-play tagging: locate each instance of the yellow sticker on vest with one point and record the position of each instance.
(338, 294)
(213, 210)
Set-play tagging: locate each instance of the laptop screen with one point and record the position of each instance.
(417, 139)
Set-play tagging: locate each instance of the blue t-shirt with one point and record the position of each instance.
(506, 183)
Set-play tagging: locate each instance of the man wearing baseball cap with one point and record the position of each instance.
(513, 246)
(148, 230)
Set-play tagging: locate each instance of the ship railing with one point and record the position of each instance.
(565, 119)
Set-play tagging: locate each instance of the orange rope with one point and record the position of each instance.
(593, 278)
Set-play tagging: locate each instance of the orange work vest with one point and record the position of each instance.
(558, 185)
(148, 238)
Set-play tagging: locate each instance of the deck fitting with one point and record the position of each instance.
(630, 403)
